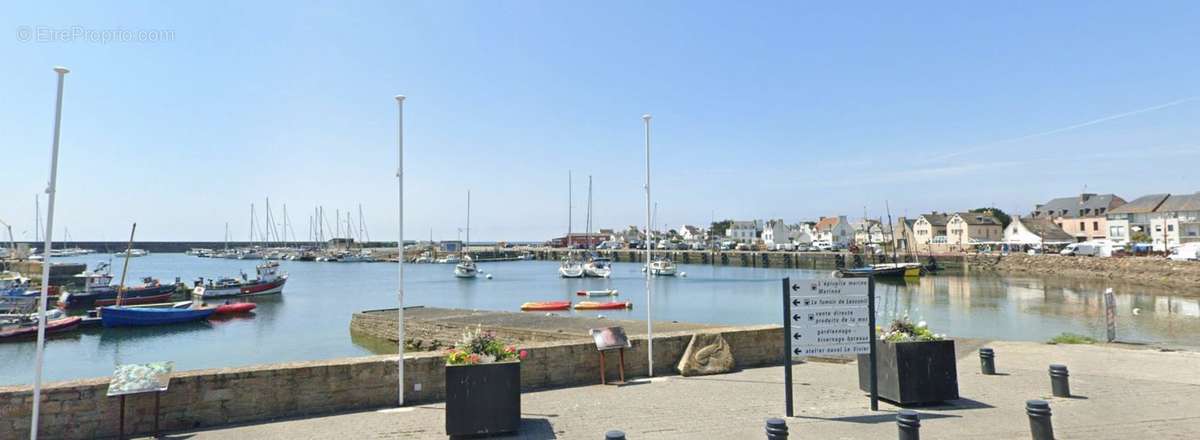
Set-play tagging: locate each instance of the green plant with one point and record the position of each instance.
(1071, 338)
(903, 330)
(480, 347)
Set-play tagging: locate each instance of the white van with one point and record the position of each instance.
(1186, 252)
(1095, 248)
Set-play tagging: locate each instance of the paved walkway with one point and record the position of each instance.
(1123, 392)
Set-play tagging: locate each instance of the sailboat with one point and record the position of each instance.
(595, 266)
(570, 267)
(466, 266)
(659, 266)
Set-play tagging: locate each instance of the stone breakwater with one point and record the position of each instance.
(206, 398)
(1141, 271)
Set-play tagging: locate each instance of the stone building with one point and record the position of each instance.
(1084, 216)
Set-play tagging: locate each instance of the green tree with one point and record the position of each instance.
(1004, 218)
(1139, 237)
(717, 229)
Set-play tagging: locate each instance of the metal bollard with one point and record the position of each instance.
(909, 424)
(776, 429)
(1060, 386)
(987, 361)
(1039, 419)
(614, 435)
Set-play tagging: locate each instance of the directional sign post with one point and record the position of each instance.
(828, 317)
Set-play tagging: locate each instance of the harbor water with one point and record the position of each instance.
(310, 320)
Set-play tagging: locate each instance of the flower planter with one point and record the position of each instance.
(912, 372)
(483, 398)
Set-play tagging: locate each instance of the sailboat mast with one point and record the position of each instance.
(589, 213)
(468, 243)
(891, 231)
(570, 217)
(37, 217)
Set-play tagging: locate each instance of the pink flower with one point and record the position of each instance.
(510, 349)
(524, 354)
(473, 358)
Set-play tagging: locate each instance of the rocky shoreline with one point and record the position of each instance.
(1148, 271)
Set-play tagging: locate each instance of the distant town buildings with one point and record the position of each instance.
(835, 230)
(1083, 216)
(743, 231)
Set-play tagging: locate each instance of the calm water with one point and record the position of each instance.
(311, 319)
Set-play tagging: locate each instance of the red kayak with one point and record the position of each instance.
(545, 305)
(229, 309)
(30, 331)
(611, 305)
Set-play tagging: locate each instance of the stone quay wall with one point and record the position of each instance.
(777, 259)
(1153, 271)
(205, 398)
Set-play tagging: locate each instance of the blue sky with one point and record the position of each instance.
(767, 110)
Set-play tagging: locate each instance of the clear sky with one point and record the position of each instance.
(791, 109)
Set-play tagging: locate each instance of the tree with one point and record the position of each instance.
(1004, 218)
(717, 229)
(1139, 237)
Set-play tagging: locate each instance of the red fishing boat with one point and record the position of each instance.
(268, 282)
(536, 306)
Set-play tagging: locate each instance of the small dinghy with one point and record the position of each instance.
(536, 306)
(230, 309)
(611, 305)
(605, 292)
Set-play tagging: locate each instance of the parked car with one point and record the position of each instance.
(822, 245)
(1186, 252)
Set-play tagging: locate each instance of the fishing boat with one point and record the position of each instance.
(122, 316)
(605, 292)
(610, 305)
(536, 306)
(28, 328)
(98, 291)
(570, 268)
(466, 268)
(598, 267)
(13, 284)
(268, 282)
(892, 270)
(234, 308)
(662, 267)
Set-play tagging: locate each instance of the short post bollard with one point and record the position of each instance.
(614, 435)
(987, 361)
(909, 424)
(1060, 386)
(776, 429)
(1039, 419)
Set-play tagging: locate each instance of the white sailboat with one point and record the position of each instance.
(662, 267)
(595, 266)
(571, 266)
(466, 266)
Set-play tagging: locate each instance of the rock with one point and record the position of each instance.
(707, 353)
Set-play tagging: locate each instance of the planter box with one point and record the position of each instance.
(912, 372)
(483, 399)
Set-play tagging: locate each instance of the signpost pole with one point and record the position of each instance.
(871, 325)
(787, 346)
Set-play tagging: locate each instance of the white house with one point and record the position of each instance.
(869, 231)
(1035, 231)
(776, 232)
(691, 233)
(803, 232)
(1176, 221)
(743, 231)
(835, 230)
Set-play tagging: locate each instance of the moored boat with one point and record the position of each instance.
(121, 316)
(610, 305)
(229, 309)
(545, 305)
(893, 270)
(605, 292)
(98, 291)
(268, 282)
(28, 329)
(662, 268)
(466, 268)
(598, 267)
(570, 268)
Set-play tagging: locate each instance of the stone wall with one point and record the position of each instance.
(204, 398)
(1150, 271)
(777, 259)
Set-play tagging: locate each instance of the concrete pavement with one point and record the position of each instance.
(1122, 392)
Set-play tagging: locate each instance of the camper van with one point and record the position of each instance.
(1095, 248)
(1186, 252)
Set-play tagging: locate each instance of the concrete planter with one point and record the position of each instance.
(483, 399)
(912, 372)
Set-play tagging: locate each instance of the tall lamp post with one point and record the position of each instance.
(649, 285)
(50, 190)
(400, 245)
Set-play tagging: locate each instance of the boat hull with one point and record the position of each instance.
(108, 297)
(252, 288)
(612, 305)
(571, 272)
(30, 332)
(546, 306)
(149, 316)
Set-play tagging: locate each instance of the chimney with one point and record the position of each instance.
(1085, 196)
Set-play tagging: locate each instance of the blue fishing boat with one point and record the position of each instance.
(115, 316)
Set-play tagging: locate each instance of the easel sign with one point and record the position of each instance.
(824, 317)
(129, 379)
(607, 339)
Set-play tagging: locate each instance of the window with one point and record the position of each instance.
(1157, 228)
(1082, 227)
(1116, 231)
(1095, 226)
(1170, 228)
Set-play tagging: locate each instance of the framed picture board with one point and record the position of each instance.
(140, 378)
(610, 338)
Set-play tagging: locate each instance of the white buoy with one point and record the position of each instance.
(1137, 311)
(488, 276)
(683, 274)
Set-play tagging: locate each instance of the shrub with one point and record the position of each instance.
(903, 330)
(480, 347)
